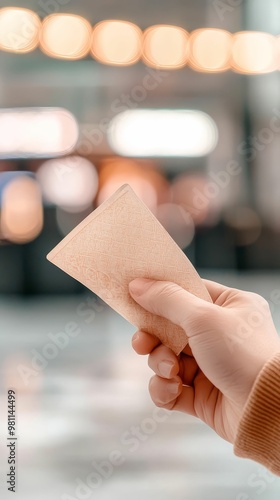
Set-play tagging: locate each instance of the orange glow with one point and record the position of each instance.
(165, 47)
(116, 42)
(210, 50)
(254, 52)
(65, 36)
(148, 183)
(22, 211)
(19, 30)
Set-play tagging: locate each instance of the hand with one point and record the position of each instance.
(229, 343)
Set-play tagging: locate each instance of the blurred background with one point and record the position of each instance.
(181, 100)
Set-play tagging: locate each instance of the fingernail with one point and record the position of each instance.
(173, 387)
(165, 368)
(139, 286)
(135, 337)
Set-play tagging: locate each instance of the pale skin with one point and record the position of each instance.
(230, 341)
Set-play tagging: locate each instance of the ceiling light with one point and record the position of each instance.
(162, 133)
(254, 52)
(29, 132)
(210, 50)
(65, 36)
(165, 47)
(19, 29)
(116, 42)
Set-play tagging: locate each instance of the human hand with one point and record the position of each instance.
(229, 343)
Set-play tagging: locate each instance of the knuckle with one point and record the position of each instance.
(199, 320)
(256, 300)
(166, 290)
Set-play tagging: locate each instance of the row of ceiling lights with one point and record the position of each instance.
(122, 43)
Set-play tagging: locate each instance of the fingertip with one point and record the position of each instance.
(144, 343)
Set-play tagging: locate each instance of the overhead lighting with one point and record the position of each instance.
(70, 183)
(19, 29)
(162, 133)
(165, 47)
(37, 132)
(254, 52)
(116, 42)
(21, 210)
(210, 50)
(65, 36)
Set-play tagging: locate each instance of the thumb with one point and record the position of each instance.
(170, 301)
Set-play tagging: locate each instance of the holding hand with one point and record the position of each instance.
(229, 343)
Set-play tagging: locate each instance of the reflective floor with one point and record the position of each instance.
(85, 424)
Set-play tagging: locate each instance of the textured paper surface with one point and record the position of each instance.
(122, 240)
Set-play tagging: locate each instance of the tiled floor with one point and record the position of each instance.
(89, 404)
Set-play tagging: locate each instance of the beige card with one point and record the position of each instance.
(122, 240)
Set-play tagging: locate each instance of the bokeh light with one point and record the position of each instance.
(178, 222)
(37, 132)
(210, 50)
(191, 191)
(162, 133)
(254, 52)
(148, 183)
(70, 182)
(165, 47)
(246, 224)
(19, 30)
(22, 210)
(65, 36)
(116, 42)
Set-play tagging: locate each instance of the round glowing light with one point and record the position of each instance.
(210, 50)
(65, 36)
(254, 52)
(178, 222)
(70, 182)
(142, 187)
(165, 47)
(187, 190)
(162, 133)
(37, 132)
(22, 211)
(19, 29)
(116, 42)
(246, 224)
(117, 171)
